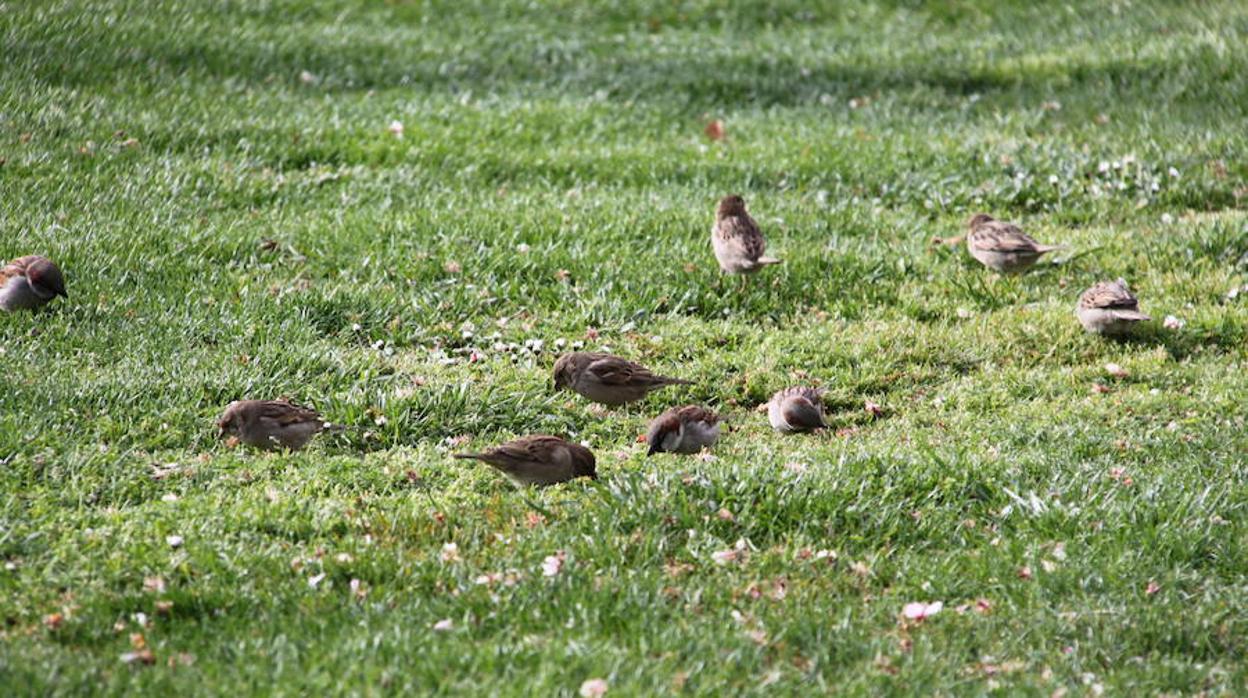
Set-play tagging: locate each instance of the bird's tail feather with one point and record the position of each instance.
(764, 261)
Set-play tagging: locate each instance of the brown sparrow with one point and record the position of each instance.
(738, 244)
(686, 429)
(539, 460)
(271, 424)
(1109, 308)
(607, 379)
(29, 282)
(1002, 246)
(796, 409)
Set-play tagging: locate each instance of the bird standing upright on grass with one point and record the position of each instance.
(1002, 246)
(607, 379)
(272, 424)
(686, 429)
(736, 239)
(29, 282)
(796, 409)
(1109, 308)
(539, 460)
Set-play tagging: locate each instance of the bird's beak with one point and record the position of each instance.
(654, 448)
(63, 294)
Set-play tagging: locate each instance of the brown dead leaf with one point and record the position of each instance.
(714, 130)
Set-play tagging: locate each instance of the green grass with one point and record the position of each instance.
(578, 133)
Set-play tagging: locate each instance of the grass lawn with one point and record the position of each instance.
(237, 217)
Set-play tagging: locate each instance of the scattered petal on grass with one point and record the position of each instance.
(1100, 388)
(174, 541)
(450, 553)
(1115, 370)
(594, 688)
(723, 557)
(1172, 323)
(1024, 572)
(143, 656)
(164, 608)
(396, 128)
(444, 625)
(553, 564)
(315, 580)
(1152, 588)
(452, 267)
(154, 584)
(52, 621)
(873, 409)
(307, 78)
(918, 610)
(725, 515)
(169, 497)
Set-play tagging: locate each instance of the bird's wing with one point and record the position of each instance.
(694, 413)
(743, 233)
(999, 236)
(286, 413)
(1110, 295)
(612, 370)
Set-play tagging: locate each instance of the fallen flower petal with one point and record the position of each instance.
(553, 564)
(594, 688)
(917, 610)
(444, 625)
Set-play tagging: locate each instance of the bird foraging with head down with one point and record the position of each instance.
(1003, 246)
(272, 424)
(539, 460)
(29, 282)
(796, 409)
(607, 379)
(1109, 308)
(687, 429)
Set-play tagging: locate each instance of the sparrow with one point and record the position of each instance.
(607, 379)
(29, 282)
(1002, 246)
(738, 244)
(1109, 308)
(271, 424)
(796, 409)
(539, 460)
(686, 429)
